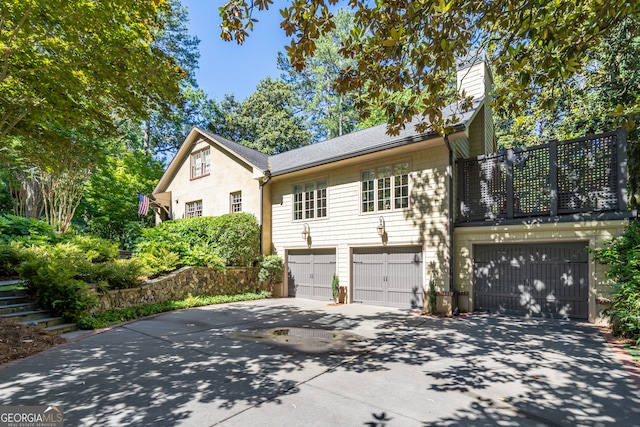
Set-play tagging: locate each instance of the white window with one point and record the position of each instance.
(236, 202)
(200, 163)
(310, 200)
(385, 188)
(193, 209)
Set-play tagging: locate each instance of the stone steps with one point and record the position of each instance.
(16, 306)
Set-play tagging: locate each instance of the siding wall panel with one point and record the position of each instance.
(425, 223)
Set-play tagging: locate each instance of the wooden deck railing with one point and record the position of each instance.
(580, 176)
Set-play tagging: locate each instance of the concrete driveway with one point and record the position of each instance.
(221, 365)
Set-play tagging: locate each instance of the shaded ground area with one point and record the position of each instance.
(211, 366)
(18, 341)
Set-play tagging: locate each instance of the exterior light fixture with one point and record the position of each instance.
(381, 227)
(305, 232)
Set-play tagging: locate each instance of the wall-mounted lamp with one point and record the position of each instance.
(381, 227)
(306, 232)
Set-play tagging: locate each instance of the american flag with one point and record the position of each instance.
(143, 204)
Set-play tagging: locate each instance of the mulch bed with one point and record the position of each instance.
(18, 341)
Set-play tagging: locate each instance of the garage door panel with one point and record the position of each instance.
(388, 276)
(404, 299)
(299, 275)
(323, 271)
(311, 273)
(368, 273)
(532, 279)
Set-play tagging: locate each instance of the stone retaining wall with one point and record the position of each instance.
(195, 281)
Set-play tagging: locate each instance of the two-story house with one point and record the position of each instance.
(393, 215)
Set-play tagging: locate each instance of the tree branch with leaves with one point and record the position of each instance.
(412, 46)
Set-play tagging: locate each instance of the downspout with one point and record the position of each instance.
(263, 181)
(452, 286)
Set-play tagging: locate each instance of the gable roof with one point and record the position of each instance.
(343, 147)
(254, 158)
(362, 142)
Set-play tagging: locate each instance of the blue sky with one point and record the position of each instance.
(226, 67)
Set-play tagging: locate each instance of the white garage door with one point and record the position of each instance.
(311, 272)
(388, 276)
(548, 280)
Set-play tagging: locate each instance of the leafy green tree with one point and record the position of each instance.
(164, 133)
(165, 129)
(414, 45)
(81, 65)
(265, 121)
(110, 207)
(330, 113)
(50, 184)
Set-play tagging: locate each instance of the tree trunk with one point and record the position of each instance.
(27, 194)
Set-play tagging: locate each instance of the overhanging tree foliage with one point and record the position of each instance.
(414, 45)
(168, 125)
(81, 65)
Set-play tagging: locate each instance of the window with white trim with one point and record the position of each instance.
(236, 202)
(310, 200)
(385, 188)
(200, 163)
(193, 209)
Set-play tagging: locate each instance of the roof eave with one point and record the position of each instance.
(388, 145)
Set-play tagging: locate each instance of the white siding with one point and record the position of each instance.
(228, 175)
(424, 223)
(475, 80)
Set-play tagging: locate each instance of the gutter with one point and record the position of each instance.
(452, 286)
(263, 181)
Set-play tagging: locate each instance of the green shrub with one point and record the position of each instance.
(271, 268)
(158, 258)
(237, 239)
(231, 239)
(10, 259)
(335, 287)
(203, 256)
(432, 296)
(96, 248)
(118, 274)
(55, 277)
(28, 231)
(622, 255)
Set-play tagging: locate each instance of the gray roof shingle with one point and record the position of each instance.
(343, 147)
(254, 157)
(358, 143)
